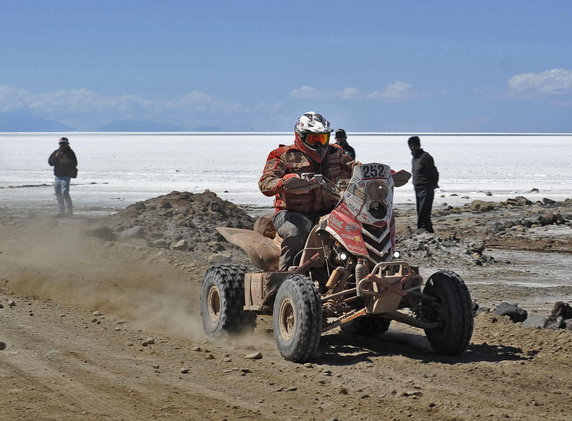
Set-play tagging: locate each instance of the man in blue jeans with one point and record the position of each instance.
(425, 181)
(64, 162)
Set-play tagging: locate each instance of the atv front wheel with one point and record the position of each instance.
(453, 309)
(297, 319)
(366, 326)
(222, 301)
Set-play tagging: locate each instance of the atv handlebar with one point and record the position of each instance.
(319, 178)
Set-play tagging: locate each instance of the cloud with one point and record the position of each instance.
(195, 101)
(394, 92)
(305, 92)
(65, 104)
(349, 93)
(85, 101)
(551, 83)
(13, 99)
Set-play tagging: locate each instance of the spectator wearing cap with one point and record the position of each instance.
(342, 140)
(64, 162)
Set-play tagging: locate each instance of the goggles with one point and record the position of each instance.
(315, 139)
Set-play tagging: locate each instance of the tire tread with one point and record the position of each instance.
(233, 317)
(455, 336)
(309, 308)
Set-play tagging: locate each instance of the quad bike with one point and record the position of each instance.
(346, 277)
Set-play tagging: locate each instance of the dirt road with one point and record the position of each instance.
(98, 330)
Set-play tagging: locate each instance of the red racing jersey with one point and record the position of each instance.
(290, 159)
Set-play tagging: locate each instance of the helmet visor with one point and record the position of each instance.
(315, 139)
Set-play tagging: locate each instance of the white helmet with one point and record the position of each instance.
(312, 123)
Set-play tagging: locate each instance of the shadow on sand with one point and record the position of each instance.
(344, 349)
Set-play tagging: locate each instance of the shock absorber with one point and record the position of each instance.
(361, 271)
(334, 277)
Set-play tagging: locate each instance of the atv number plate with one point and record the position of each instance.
(374, 171)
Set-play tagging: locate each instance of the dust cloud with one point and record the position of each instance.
(57, 261)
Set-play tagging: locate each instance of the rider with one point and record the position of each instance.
(301, 200)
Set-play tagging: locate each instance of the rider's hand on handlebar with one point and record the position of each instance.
(293, 183)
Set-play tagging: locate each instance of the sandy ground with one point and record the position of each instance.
(105, 330)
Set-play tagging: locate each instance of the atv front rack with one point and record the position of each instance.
(382, 292)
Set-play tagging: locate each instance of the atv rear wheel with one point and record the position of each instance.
(453, 309)
(297, 318)
(366, 326)
(222, 301)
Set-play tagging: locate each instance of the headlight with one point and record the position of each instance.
(378, 209)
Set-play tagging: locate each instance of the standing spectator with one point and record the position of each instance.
(342, 140)
(425, 181)
(64, 162)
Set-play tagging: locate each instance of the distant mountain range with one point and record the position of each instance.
(21, 122)
(140, 126)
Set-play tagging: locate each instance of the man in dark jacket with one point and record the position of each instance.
(425, 181)
(342, 140)
(64, 162)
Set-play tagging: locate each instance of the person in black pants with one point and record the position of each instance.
(425, 181)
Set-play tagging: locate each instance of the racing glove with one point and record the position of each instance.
(294, 184)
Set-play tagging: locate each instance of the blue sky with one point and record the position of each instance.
(398, 66)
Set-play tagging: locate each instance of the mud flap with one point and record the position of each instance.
(262, 251)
